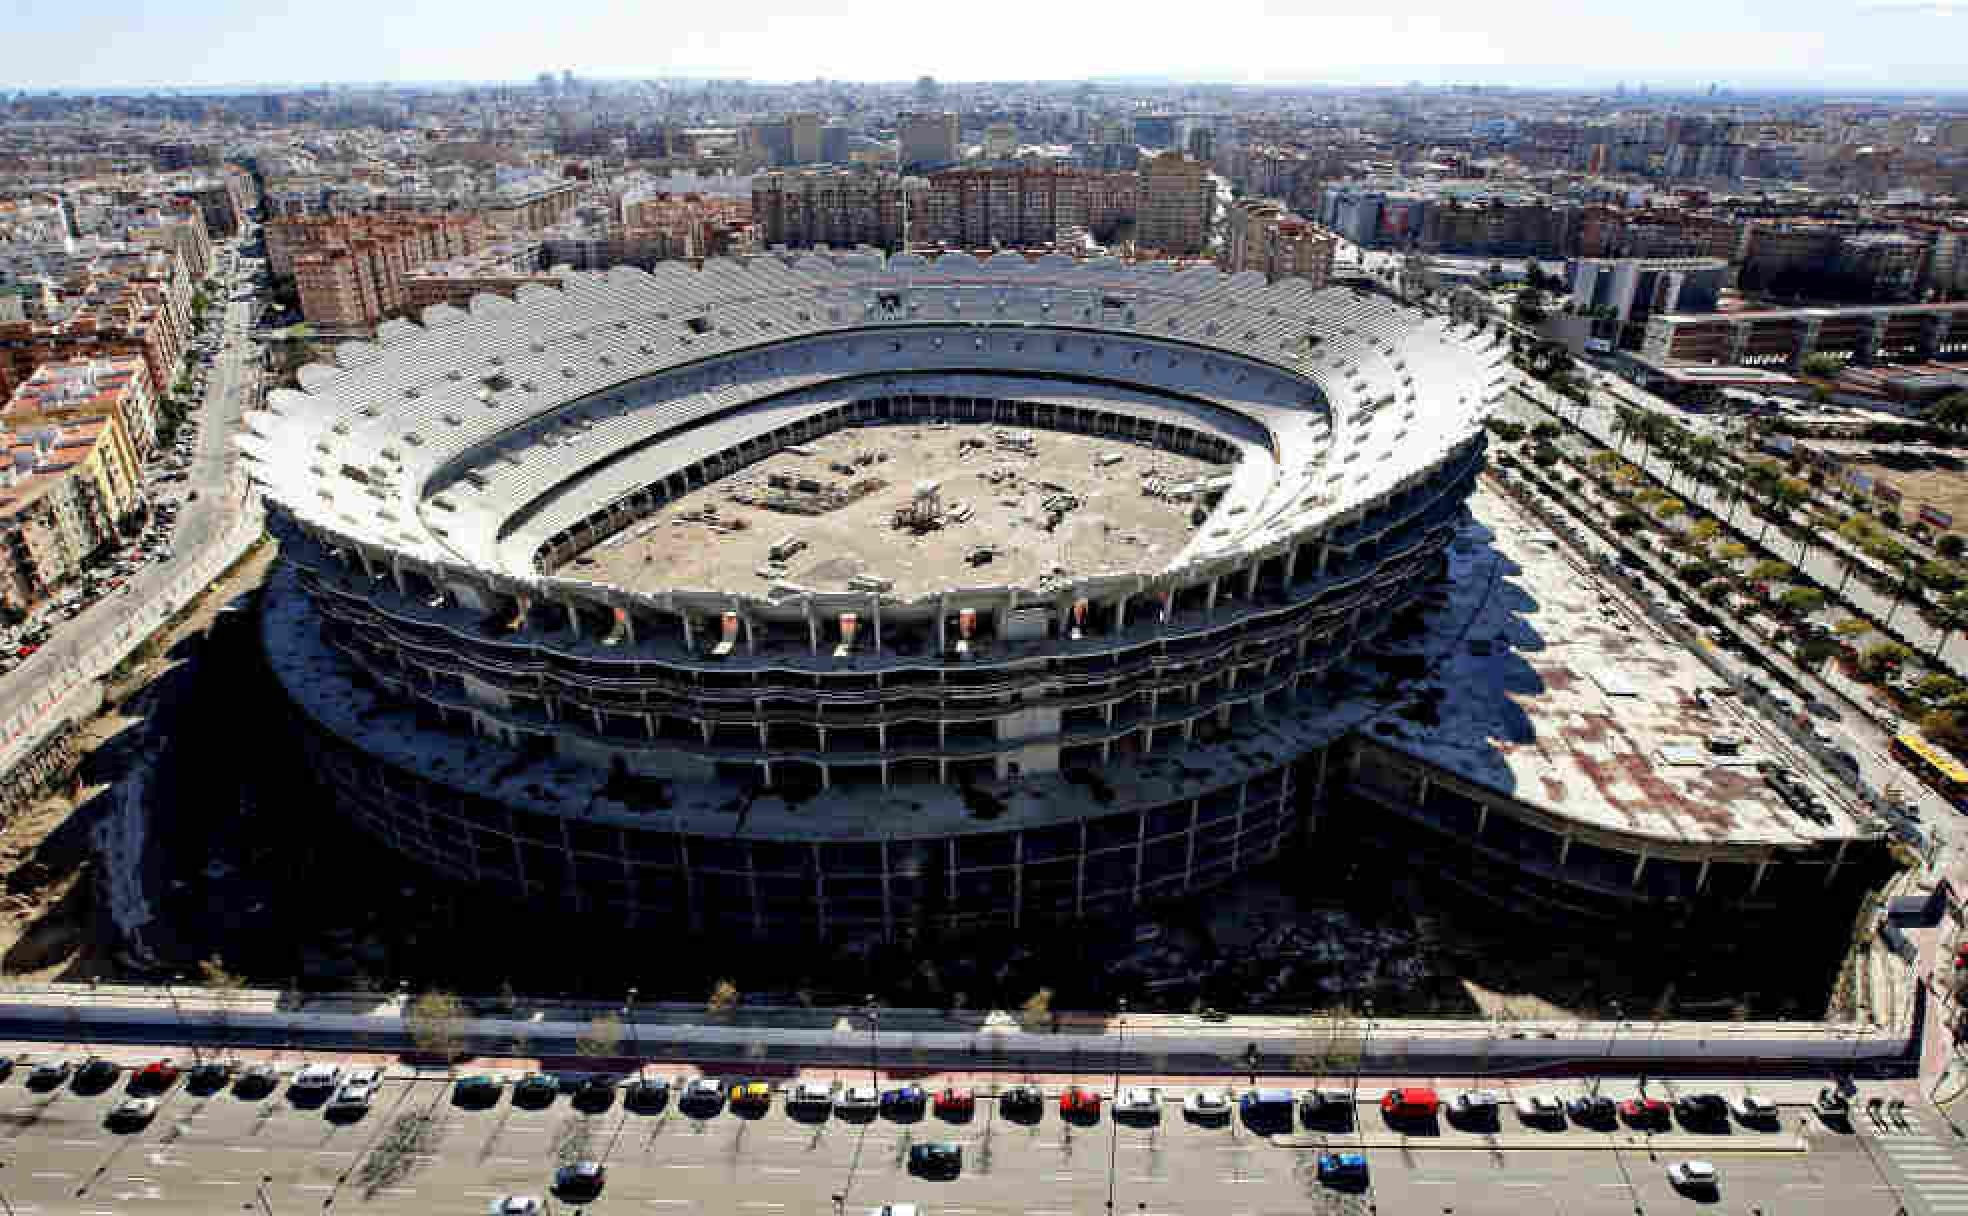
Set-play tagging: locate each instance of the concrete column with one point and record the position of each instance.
(876, 599)
(628, 626)
(1291, 564)
(1325, 553)
(1564, 848)
(812, 628)
(1250, 579)
(573, 618)
(1482, 817)
(1639, 867)
(1422, 786)
(1209, 604)
(689, 633)
(1756, 881)
(1701, 878)
(942, 614)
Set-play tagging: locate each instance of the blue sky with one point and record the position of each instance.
(1907, 44)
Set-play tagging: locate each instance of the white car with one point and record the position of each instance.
(1473, 1101)
(133, 1112)
(516, 1205)
(1139, 1100)
(1693, 1176)
(358, 1090)
(1754, 1108)
(1207, 1104)
(811, 1093)
(315, 1078)
(1540, 1108)
(858, 1098)
(896, 1209)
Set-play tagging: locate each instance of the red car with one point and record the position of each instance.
(1410, 1103)
(1961, 956)
(1650, 1112)
(155, 1076)
(1078, 1101)
(955, 1102)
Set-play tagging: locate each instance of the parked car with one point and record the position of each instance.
(1316, 1104)
(1755, 1109)
(810, 1094)
(752, 1096)
(1831, 1104)
(49, 1073)
(1541, 1110)
(702, 1093)
(154, 1077)
(645, 1093)
(257, 1081)
(937, 1159)
(96, 1073)
(479, 1089)
(357, 1091)
(1702, 1110)
(580, 1180)
(1139, 1101)
(1698, 1177)
(1341, 1168)
(1078, 1101)
(903, 1098)
(857, 1099)
(536, 1089)
(516, 1205)
(132, 1113)
(1478, 1102)
(1410, 1102)
(314, 1080)
(1207, 1104)
(1644, 1112)
(955, 1102)
(1022, 1100)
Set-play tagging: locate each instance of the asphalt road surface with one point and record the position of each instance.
(415, 1151)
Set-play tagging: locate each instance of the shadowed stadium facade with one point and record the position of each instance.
(851, 761)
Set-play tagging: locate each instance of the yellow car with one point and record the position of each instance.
(752, 1095)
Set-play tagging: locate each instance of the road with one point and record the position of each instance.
(416, 1151)
(1822, 556)
(231, 387)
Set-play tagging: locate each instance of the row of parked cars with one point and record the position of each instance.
(1701, 1112)
(345, 1092)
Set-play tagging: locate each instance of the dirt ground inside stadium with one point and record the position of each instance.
(852, 510)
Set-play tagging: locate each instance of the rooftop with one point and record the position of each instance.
(1567, 697)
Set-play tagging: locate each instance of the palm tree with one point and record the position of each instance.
(1627, 422)
(1908, 570)
(1949, 616)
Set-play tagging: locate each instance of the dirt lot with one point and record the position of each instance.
(708, 539)
(1936, 478)
(48, 916)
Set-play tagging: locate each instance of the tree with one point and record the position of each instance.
(1528, 308)
(1950, 616)
(1771, 571)
(1950, 545)
(1545, 455)
(223, 986)
(1802, 601)
(435, 1021)
(1938, 688)
(602, 1038)
(1036, 1012)
(1851, 627)
(1732, 551)
(1704, 531)
(1950, 412)
(1626, 523)
(1939, 576)
(1822, 365)
(1668, 508)
(1945, 728)
(1883, 659)
(723, 1001)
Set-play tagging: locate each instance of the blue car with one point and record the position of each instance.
(907, 1097)
(1342, 1167)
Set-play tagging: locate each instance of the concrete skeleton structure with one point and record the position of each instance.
(1887, 333)
(865, 762)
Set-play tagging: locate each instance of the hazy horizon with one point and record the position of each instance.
(1816, 45)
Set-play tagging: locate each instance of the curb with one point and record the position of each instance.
(1556, 1142)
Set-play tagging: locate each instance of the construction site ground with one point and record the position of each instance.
(996, 492)
(48, 913)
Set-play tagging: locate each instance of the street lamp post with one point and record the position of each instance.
(177, 1010)
(635, 1041)
(1114, 1122)
(874, 1040)
(1611, 1039)
(1366, 1042)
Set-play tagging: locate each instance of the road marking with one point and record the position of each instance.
(312, 1186)
(760, 1203)
(244, 1148)
(1804, 1186)
(50, 1174)
(778, 1169)
(79, 1143)
(509, 1161)
(220, 1182)
(1535, 1186)
(670, 1203)
(684, 1166)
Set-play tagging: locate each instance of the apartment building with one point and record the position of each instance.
(65, 489)
(350, 271)
(837, 207)
(1027, 207)
(926, 141)
(118, 386)
(1177, 198)
(1261, 234)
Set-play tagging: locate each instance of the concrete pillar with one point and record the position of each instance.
(942, 615)
(876, 613)
(689, 633)
(812, 627)
(1325, 553)
(573, 618)
(1701, 877)
(1250, 579)
(628, 626)
(1422, 786)
(1291, 564)
(1564, 848)
(1639, 867)
(1209, 603)
(1482, 817)
(1756, 880)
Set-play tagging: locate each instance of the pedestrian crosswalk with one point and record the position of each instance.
(1927, 1167)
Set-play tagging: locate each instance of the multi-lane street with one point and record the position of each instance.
(418, 1150)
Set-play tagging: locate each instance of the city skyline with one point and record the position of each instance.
(1821, 44)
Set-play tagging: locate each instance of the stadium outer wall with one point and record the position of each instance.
(1160, 753)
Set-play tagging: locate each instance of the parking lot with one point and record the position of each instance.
(416, 1149)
